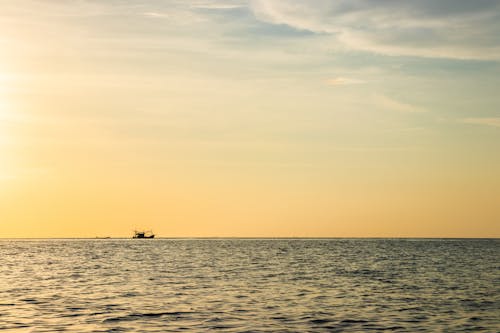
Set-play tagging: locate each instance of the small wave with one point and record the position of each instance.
(221, 327)
(17, 329)
(138, 316)
(349, 322)
(70, 315)
(75, 308)
(320, 321)
(31, 301)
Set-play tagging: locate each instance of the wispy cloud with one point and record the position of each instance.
(218, 5)
(495, 121)
(24, 173)
(341, 81)
(455, 29)
(389, 103)
(156, 14)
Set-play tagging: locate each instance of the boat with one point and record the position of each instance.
(143, 234)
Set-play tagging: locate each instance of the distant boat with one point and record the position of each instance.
(143, 234)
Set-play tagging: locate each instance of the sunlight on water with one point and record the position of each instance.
(249, 285)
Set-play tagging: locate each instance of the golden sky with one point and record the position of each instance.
(249, 118)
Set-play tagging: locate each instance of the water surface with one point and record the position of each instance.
(250, 285)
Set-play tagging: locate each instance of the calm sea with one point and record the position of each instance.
(250, 285)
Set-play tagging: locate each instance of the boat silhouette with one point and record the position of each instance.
(143, 234)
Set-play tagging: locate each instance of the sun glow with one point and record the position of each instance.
(5, 120)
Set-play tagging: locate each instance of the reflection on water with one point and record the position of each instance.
(250, 285)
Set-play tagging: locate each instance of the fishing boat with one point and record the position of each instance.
(143, 234)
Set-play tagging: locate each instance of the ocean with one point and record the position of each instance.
(250, 285)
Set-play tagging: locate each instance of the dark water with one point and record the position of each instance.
(250, 285)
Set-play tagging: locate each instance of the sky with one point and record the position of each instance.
(251, 118)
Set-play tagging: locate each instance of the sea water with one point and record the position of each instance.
(250, 285)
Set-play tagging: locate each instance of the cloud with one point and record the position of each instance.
(156, 14)
(217, 5)
(453, 29)
(456, 29)
(341, 81)
(495, 121)
(395, 105)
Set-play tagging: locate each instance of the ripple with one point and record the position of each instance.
(250, 285)
(138, 316)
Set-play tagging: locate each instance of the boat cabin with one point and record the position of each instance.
(143, 234)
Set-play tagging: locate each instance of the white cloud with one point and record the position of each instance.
(495, 121)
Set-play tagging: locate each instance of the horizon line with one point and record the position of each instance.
(255, 237)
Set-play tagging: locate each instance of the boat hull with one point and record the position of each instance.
(143, 234)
